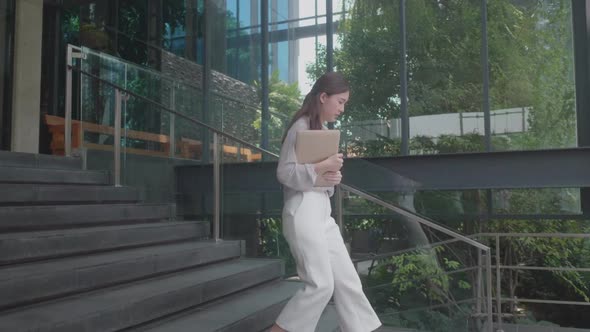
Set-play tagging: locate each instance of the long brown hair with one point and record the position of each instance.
(331, 83)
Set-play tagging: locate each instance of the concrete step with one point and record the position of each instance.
(255, 309)
(52, 176)
(37, 281)
(34, 246)
(329, 323)
(394, 329)
(30, 160)
(128, 305)
(64, 216)
(37, 194)
(329, 320)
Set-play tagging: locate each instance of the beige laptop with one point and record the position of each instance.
(313, 146)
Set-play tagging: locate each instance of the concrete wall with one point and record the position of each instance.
(248, 189)
(27, 76)
(155, 176)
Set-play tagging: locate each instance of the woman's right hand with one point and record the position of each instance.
(332, 178)
(331, 164)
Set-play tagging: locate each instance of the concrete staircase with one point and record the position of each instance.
(77, 254)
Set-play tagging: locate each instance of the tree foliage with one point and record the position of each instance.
(530, 65)
(284, 100)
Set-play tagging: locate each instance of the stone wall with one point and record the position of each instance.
(191, 73)
(234, 105)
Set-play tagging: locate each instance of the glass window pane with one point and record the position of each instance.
(531, 74)
(296, 59)
(367, 51)
(444, 77)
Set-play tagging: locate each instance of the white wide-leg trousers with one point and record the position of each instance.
(324, 266)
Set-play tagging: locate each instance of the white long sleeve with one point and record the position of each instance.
(295, 176)
(300, 177)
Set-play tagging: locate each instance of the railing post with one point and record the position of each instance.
(339, 216)
(489, 290)
(117, 137)
(479, 278)
(172, 123)
(68, 115)
(498, 284)
(216, 188)
(71, 53)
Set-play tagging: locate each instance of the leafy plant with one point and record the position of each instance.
(273, 244)
(415, 290)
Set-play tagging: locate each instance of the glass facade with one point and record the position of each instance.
(427, 78)
(532, 92)
(6, 60)
(522, 100)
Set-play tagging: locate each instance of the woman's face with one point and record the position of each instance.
(332, 106)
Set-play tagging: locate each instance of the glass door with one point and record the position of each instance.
(6, 55)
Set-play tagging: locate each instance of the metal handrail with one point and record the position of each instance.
(499, 267)
(169, 110)
(414, 216)
(349, 188)
(124, 93)
(494, 266)
(184, 83)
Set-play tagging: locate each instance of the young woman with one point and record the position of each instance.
(323, 263)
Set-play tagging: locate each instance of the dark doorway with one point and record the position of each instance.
(6, 69)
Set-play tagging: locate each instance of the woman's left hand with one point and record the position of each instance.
(333, 178)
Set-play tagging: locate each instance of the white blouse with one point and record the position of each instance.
(296, 178)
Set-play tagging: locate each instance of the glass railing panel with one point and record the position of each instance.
(252, 202)
(149, 84)
(537, 273)
(94, 132)
(389, 186)
(153, 140)
(107, 67)
(237, 113)
(137, 79)
(459, 209)
(415, 276)
(553, 212)
(539, 201)
(146, 150)
(194, 176)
